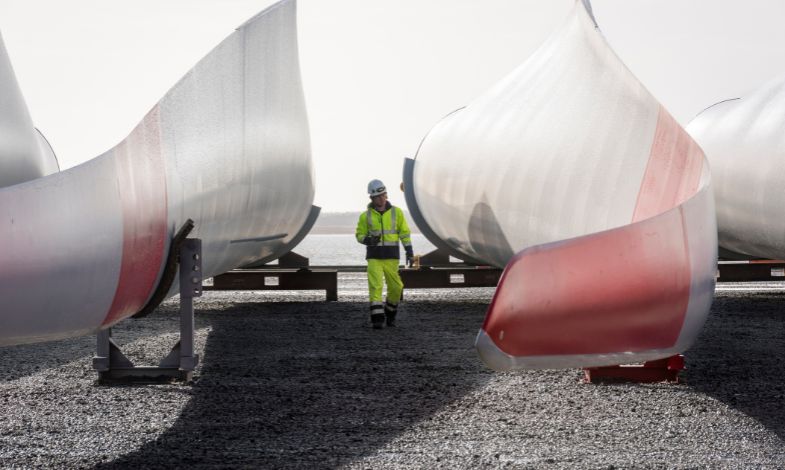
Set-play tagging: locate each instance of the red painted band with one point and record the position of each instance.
(673, 171)
(141, 176)
(622, 290)
(625, 289)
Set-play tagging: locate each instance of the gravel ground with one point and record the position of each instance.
(289, 381)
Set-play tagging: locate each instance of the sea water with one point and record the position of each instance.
(343, 249)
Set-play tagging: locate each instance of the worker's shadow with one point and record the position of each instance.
(311, 385)
(738, 357)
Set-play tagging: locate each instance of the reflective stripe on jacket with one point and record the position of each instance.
(390, 225)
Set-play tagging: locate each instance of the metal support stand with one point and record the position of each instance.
(113, 366)
(279, 279)
(435, 270)
(662, 370)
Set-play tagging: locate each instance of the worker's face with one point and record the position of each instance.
(379, 201)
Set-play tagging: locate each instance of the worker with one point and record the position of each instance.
(380, 228)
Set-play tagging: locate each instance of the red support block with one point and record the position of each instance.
(662, 370)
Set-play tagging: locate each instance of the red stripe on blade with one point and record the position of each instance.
(142, 181)
(622, 290)
(673, 172)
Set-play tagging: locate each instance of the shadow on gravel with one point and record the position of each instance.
(738, 357)
(306, 385)
(28, 359)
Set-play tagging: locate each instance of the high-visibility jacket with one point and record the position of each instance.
(391, 226)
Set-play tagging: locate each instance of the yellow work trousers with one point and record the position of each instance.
(380, 270)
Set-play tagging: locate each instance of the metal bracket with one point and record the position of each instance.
(113, 366)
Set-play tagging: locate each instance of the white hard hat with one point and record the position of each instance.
(376, 188)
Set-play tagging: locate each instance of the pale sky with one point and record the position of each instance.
(377, 74)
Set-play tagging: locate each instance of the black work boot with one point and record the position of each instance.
(377, 315)
(390, 310)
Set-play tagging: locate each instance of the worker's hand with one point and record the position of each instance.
(371, 240)
(409, 261)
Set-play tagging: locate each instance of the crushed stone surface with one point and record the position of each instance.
(287, 380)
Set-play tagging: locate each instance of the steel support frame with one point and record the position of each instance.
(279, 279)
(113, 366)
(449, 277)
(751, 271)
(434, 270)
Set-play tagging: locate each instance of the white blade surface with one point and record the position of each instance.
(569, 173)
(228, 147)
(745, 144)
